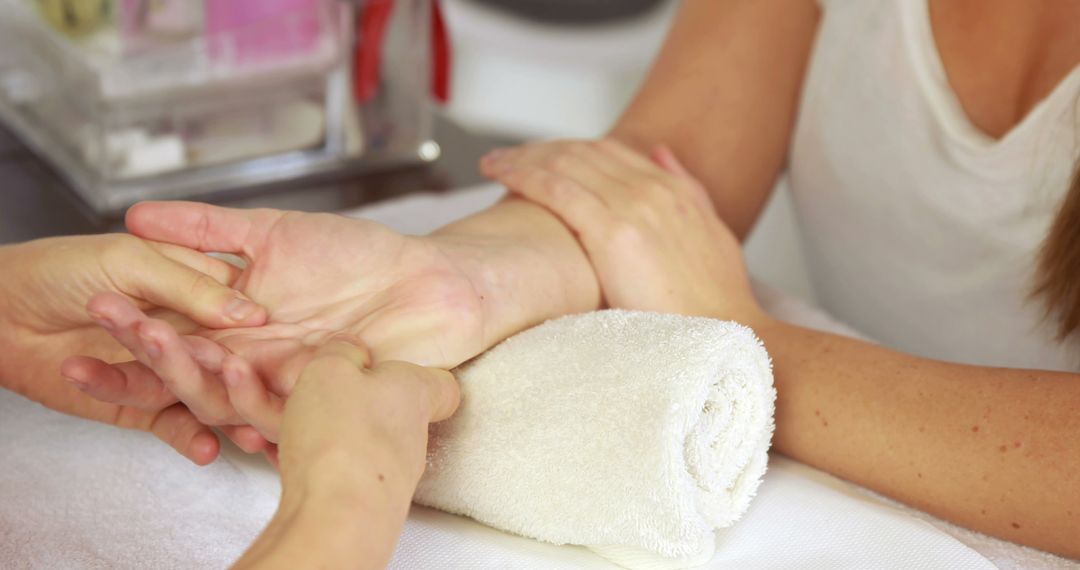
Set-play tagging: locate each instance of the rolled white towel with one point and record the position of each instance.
(634, 434)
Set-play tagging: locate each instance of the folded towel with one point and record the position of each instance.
(634, 434)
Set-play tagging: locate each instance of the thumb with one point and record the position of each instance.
(202, 297)
(341, 356)
(445, 393)
(438, 388)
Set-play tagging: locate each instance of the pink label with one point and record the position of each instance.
(257, 31)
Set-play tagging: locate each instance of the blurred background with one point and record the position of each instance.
(537, 69)
(308, 104)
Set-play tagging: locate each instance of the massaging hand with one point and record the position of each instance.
(43, 318)
(353, 448)
(318, 275)
(647, 225)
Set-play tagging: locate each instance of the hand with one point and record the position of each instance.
(648, 227)
(413, 299)
(346, 416)
(353, 448)
(43, 319)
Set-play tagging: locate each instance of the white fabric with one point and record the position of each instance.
(75, 494)
(920, 230)
(636, 434)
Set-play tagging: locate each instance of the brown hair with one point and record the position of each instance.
(1058, 277)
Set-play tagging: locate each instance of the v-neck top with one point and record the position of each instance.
(920, 229)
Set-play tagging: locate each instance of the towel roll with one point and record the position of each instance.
(634, 434)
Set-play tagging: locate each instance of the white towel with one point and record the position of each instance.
(635, 434)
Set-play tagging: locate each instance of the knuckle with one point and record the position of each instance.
(202, 284)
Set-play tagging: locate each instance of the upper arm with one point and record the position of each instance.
(723, 94)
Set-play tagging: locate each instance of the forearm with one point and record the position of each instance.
(531, 268)
(996, 450)
(348, 515)
(723, 95)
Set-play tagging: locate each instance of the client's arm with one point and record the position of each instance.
(353, 447)
(993, 449)
(436, 300)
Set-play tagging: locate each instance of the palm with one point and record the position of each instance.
(320, 274)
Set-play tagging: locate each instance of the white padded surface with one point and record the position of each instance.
(75, 494)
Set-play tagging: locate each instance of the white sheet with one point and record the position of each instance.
(75, 494)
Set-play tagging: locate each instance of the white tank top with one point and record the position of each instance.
(919, 229)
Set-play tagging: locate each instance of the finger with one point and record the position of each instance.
(167, 283)
(168, 355)
(608, 157)
(624, 154)
(618, 163)
(208, 354)
(250, 398)
(667, 160)
(127, 383)
(591, 170)
(498, 159)
(179, 428)
(578, 207)
(222, 271)
(202, 227)
(122, 319)
(246, 438)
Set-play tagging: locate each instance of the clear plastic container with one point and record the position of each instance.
(216, 94)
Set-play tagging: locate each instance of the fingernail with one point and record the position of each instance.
(495, 154)
(102, 321)
(240, 309)
(151, 346)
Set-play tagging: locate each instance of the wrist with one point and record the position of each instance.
(306, 534)
(340, 509)
(524, 263)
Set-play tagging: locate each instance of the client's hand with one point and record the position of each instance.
(353, 447)
(409, 298)
(43, 319)
(648, 227)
